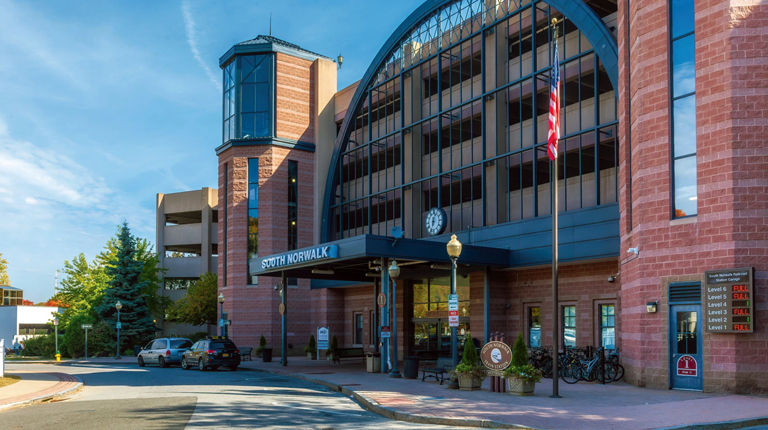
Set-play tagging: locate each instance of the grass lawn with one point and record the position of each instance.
(8, 380)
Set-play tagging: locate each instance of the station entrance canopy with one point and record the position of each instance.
(355, 258)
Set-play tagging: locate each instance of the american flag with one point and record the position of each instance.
(554, 109)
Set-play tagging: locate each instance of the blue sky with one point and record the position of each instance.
(104, 104)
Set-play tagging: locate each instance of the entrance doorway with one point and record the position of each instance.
(685, 347)
(433, 335)
(430, 334)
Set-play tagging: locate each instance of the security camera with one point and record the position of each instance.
(633, 251)
(611, 278)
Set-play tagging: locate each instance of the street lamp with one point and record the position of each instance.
(56, 334)
(221, 306)
(118, 306)
(454, 251)
(394, 273)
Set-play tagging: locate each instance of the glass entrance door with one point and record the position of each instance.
(685, 347)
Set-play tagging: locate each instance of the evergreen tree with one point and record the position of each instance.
(519, 352)
(127, 286)
(470, 353)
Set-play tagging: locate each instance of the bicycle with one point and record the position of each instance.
(613, 358)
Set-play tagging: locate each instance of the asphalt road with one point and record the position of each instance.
(118, 396)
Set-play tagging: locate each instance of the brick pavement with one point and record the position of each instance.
(37, 387)
(583, 406)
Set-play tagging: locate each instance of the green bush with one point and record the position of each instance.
(102, 339)
(74, 336)
(334, 345)
(312, 347)
(41, 346)
(262, 344)
(128, 353)
(470, 353)
(519, 352)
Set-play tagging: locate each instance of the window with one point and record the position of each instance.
(534, 327)
(253, 214)
(293, 200)
(372, 324)
(607, 327)
(430, 297)
(569, 325)
(229, 102)
(180, 343)
(160, 344)
(254, 103)
(683, 89)
(358, 328)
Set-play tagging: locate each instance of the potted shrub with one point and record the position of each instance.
(311, 349)
(469, 373)
(520, 375)
(332, 348)
(262, 345)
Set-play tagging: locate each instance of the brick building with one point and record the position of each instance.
(662, 177)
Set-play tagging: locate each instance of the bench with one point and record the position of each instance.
(246, 352)
(341, 353)
(443, 365)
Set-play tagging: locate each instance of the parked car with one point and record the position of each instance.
(164, 351)
(211, 353)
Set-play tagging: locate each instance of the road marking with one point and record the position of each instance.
(316, 410)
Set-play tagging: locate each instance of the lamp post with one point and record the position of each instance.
(394, 273)
(221, 320)
(118, 306)
(56, 332)
(454, 251)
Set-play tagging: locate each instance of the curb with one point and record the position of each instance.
(45, 398)
(394, 414)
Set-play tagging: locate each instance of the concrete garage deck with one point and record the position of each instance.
(583, 406)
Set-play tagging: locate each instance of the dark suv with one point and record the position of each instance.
(211, 353)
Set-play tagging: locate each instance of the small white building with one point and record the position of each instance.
(18, 323)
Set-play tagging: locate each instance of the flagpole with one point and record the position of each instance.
(555, 306)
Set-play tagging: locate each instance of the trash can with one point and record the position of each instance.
(266, 355)
(373, 362)
(411, 367)
(136, 350)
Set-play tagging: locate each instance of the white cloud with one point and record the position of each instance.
(189, 28)
(31, 200)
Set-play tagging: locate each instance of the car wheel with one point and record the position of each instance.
(184, 364)
(200, 365)
(233, 368)
(161, 362)
(141, 362)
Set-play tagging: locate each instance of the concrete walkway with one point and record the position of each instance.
(36, 388)
(583, 406)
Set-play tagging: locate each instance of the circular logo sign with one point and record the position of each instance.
(282, 308)
(435, 221)
(496, 355)
(381, 300)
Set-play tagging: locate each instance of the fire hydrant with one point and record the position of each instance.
(58, 357)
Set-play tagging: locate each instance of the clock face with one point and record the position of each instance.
(435, 221)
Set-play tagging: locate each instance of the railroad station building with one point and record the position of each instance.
(662, 173)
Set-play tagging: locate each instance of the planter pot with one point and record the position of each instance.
(310, 356)
(470, 383)
(518, 387)
(266, 355)
(329, 356)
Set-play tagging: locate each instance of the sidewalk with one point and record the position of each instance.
(583, 406)
(37, 388)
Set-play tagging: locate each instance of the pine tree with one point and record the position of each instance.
(519, 352)
(470, 353)
(127, 286)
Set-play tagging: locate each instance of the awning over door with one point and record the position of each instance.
(354, 259)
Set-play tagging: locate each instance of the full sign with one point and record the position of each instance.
(381, 300)
(385, 331)
(687, 366)
(496, 356)
(453, 310)
(86, 326)
(729, 304)
(322, 338)
(298, 257)
(281, 308)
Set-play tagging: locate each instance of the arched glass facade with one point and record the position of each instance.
(456, 118)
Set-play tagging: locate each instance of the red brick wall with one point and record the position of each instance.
(730, 229)
(295, 107)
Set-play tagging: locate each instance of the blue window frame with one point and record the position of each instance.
(683, 96)
(608, 326)
(253, 214)
(248, 97)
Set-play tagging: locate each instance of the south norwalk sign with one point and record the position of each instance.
(310, 255)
